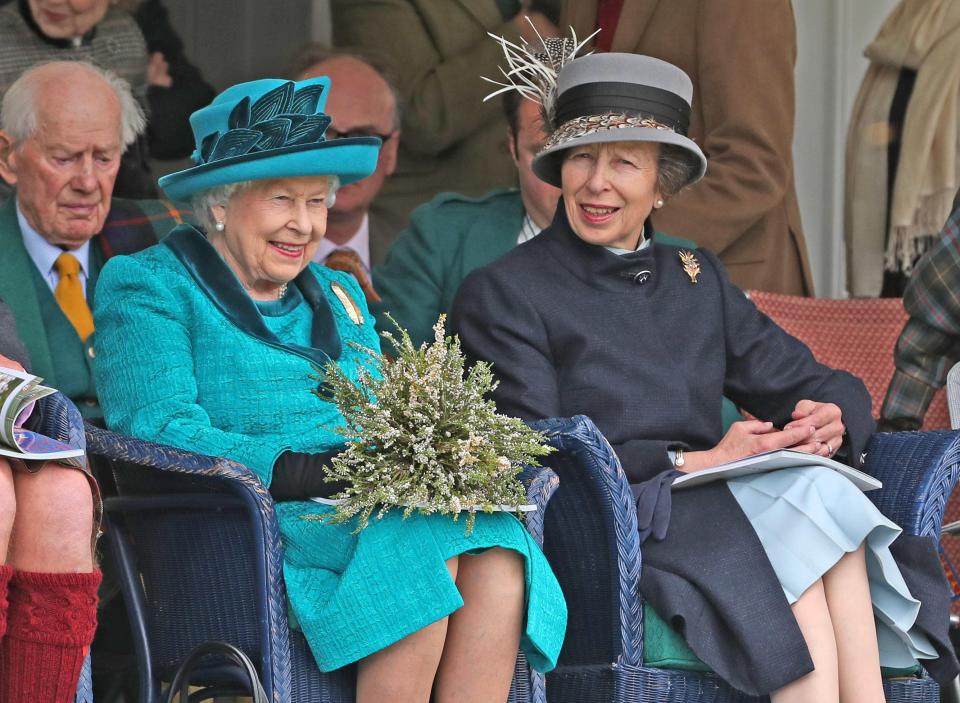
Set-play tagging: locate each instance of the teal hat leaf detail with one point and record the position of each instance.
(281, 117)
(309, 129)
(234, 143)
(240, 115)
(274, 133)
(207, 145)
(272, 103)
(307, 99)
(294, 119)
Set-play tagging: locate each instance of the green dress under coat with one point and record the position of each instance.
(185, 358)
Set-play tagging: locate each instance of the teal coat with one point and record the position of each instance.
(185, 358)
(56, 352)
(448, 238)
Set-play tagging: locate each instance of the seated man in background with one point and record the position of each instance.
(363, 104)
(63, 128)
(453, 234)
(48, 583)
(93, 30)
(930, 341)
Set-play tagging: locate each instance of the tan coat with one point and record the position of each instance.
(740, 56)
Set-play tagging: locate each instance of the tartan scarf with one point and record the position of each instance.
(129, 229)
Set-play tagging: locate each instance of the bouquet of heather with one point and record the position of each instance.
(421, 435)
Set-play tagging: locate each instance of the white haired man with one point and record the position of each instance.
(63, 128)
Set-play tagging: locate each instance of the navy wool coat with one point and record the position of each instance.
(648, 354)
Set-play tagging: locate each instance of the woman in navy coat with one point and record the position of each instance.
(594, 317)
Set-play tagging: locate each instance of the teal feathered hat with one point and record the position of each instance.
(267, 129)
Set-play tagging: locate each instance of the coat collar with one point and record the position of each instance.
(221, 286)
(595, 265)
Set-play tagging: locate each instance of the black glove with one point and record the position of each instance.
(652, 498)
(299, 476)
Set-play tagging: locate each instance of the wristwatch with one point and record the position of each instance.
(678, 459)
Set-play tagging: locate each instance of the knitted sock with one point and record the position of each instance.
(50, 623)
(5, 573)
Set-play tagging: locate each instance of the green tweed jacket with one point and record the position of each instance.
(447, 238)
(56, 352)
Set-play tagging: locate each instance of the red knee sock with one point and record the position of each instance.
(50, 623)
(5, 572)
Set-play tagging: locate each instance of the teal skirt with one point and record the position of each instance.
(807, 519)
(354, 594)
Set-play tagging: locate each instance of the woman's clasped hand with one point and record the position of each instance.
(816, 428)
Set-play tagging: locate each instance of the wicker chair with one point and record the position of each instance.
(198, 549)
(858, 335)
(590, 538)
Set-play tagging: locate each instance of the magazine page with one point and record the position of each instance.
(773, 461)
(37, 447)
(18, 392)
(12, 385)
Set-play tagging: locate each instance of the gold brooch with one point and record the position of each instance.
(353, 310)
(691, 266)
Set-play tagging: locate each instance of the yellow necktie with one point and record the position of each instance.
(69, 295)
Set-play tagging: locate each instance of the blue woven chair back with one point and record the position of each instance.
(197, 574)
(934, 458)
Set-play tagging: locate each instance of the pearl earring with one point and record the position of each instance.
(659, 203)
(219, 226)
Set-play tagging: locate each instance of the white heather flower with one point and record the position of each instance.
(421, 435)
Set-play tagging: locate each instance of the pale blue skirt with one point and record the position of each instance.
(807, 519)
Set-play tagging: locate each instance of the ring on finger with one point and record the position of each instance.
(829, 449)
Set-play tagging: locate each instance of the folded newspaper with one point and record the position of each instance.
(772, 461)
(19, 391)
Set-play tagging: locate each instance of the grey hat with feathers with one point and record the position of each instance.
(599, 98)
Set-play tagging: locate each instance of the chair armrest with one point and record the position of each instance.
(59, 419)
(590, 538)
(114, 447)
(918, 470)
(154, 477)
(542, 483)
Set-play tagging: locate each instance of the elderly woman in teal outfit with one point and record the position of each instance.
(210, 341)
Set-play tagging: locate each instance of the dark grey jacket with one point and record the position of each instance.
(632, 342)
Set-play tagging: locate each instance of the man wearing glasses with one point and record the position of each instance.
(364, 104)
